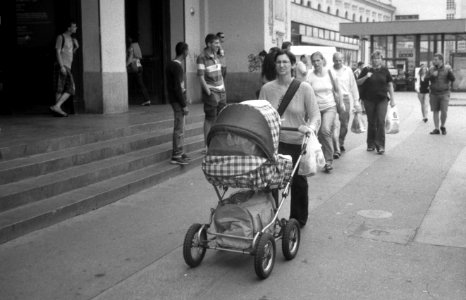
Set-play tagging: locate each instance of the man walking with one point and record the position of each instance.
(441, 77)
(177, 95)
(349, 94)
(209, 71)
(65, 47)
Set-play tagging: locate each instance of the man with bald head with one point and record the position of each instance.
(349, 94)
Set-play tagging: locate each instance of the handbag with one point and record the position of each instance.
(336, 94)
(133, 67)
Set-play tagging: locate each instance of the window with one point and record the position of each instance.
(360, 18)
(328, 9)
(450, 16)
(309, 4)
(337, 12)
(319, 7)
(346, 15)
(354, 17)
(451, 4)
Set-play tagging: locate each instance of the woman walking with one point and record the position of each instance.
(322, 84)
(134, 66)
(422, 89)
(376, 83)
(302, 112)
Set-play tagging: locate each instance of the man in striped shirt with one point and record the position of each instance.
(209, 71)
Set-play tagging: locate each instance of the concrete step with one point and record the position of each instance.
(34, 189)
(145, 136)
(28, 146)
(40, 214)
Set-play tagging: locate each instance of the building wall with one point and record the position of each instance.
(426, 9)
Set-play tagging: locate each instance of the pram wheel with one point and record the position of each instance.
(264, 258)
(193, 247)
(291, 239)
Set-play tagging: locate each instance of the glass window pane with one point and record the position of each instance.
(406, 54)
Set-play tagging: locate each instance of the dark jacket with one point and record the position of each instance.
(175, 76)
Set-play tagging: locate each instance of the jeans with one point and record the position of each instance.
(344, 120)
(376, 112)
(299, 187)
(326, 132)
(178, 130)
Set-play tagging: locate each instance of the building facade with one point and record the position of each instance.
(317, 22)
(31, 26)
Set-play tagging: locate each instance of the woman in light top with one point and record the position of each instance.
(320, 81)
(302, 113)
(422, 89)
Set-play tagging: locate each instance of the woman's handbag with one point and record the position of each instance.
(313, 159)
(359, 124)
(392, 121)
(133, 66)
(336, 94)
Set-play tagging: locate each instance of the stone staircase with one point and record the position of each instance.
(48, 181)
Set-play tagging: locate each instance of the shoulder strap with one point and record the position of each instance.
(294, 85)
(335, 89)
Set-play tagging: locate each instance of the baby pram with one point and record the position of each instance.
(243, 154)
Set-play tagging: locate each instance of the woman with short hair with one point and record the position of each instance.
(376, 82)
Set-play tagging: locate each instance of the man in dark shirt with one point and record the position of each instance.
(440, 77)
(177, 95)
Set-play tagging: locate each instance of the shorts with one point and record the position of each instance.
(64, 83)
(213, 104)
(439, 102)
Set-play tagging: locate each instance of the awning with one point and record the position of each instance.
(364, 30)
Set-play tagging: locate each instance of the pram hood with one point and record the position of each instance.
(255, 120)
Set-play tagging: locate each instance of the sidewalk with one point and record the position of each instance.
(131, 249)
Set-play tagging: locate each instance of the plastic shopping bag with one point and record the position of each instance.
(392, 121)
(313, 159)
(359, 124)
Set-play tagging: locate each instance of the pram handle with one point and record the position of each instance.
(289, 128)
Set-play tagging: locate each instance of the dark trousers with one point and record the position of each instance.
(299, 186)
(139, 79)
(178, 130)
(376, 112)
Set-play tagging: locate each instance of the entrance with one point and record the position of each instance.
(31, 27)
(148, 22)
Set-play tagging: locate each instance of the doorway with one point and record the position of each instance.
(148, 22)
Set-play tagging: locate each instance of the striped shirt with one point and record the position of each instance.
(209, 66)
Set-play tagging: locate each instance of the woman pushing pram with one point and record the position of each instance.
(243, 153)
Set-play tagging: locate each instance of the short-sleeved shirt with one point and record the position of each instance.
(209, 66)
(375, 88)
(440, 78)
(66, 49)
(323, 89)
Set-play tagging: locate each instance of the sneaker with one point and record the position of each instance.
(328, 167)
(380, 150)
(444, 130)
(425, 120)
(336, 155)
(436, 131)
(179, 161)
(369, 148)
(185, 157)
(342, 148)
(146, 103)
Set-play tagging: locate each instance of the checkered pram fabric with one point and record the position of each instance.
(252, 172)
(249, 172)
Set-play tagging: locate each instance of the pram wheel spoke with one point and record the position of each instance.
(264, 258)
(291, 239)
(193, 247)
